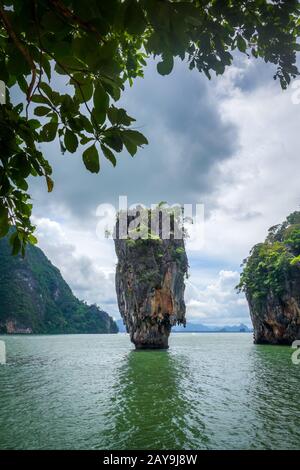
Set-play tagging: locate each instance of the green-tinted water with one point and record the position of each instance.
(209, 391)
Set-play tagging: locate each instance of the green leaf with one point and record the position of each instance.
(68, 106)
(22, 165)
(114, 141)
(85, 140)
(91, 159)
(86, 123)
(71, 141)
(112, 87)
(84, 92)
(136, 137)
(22, 84)
(4, 224)
(41, 111)
(48, 133)
(109, 155)
(22, 184)
(3, 214)
(46, 66)
(16, 64)
(84, 46)
(119, 116)
(166, 66)
(52, 22)
(16, 243)
(39, 99)
(134, 19)
(241, 43)
(101, 100)
(131, 147)
(34, 124)
(112, 114)
(46, 89)
(132, 140)
(32, 239)
(50, 183)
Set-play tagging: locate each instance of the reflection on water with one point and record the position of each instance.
(150, 408)
(208, 391)
(274, 398)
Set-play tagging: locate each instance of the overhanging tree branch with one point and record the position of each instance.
(70, 16)
(21, 48)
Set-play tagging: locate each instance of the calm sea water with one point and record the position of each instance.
(208, 391)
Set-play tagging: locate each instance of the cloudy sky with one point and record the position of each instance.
(230, 144)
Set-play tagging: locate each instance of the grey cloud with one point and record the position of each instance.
(187, 139)
(86, 276)
(248, 215)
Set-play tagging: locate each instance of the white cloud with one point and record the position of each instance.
(258, 186)
(216, 303)
(86, 263)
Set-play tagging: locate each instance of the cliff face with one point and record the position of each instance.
(271, 281)
(276, 320)
(150, 288)
(34, 298)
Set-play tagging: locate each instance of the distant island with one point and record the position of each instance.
(200, 328)
(34, 298)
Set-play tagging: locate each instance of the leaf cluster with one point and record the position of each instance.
(71, 60)
(271, 264)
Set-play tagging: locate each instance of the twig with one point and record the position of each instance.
(22, 49)
(69, 15)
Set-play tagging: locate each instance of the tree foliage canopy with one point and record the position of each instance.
(271, 264)
(98, 46)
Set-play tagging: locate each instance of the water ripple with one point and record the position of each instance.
(208, 391)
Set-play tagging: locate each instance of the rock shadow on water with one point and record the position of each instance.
(273, 398)
(149, 408)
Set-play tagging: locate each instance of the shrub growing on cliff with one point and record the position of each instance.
(270, 263)
(142, 225)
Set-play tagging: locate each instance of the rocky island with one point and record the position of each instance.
(150, 279)
(271, 282)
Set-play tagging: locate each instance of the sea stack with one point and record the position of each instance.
(271, 282)
(152, 265)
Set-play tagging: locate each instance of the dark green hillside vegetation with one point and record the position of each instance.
(35, 298)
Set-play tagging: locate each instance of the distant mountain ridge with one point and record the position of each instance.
(34, 298)
(200, 328)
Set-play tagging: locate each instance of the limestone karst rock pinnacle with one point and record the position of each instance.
(150, 282)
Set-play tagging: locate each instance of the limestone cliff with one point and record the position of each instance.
(271, 282)
(150, 288)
